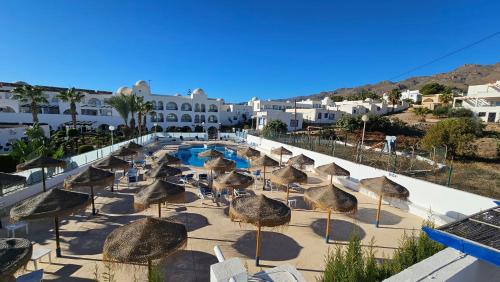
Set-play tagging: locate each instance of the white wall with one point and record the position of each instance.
(427, 200)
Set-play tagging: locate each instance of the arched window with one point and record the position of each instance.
(154, 104)
(212, 119)
(203, 108)
(7, 109)
(172, 117)
(160, 105)
(160, 118)
(202, 119)
(196, 107)
(196, 119)
(94, 102)
(186, 118)
(171, 106)
(212, 108)
(186, 107)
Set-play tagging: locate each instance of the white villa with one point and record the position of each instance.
(483, 100)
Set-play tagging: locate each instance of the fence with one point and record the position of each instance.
(427, 200)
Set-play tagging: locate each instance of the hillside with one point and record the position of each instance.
(461, 77)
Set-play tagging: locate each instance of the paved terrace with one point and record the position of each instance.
(300, 244)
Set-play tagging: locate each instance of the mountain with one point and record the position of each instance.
(461, 78)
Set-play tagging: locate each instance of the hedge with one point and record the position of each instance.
(85, 148)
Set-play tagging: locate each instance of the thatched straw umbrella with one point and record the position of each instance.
(333, 169)
(113, 163)
(164, 170)
(330, 198)
(91, 177)
(14, 254)
(124, 152)
(259, 211)
(288, 175)
(300, 160)
(169, 159)
(384, 187)
(53, 203)
(41, 162)
(219, 165)
(211, 153)
(157, 193)
(144, 240)
(249, 152)
(264, 161)
(233, 180)
(134, 146)
(281, 151)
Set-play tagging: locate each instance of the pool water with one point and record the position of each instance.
(189, 156)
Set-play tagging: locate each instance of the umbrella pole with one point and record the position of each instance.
(264, 177)
(43, 180)
(159, 210)
(113, 184)
(331, 179)
(92, 195)
(149, 269)
(257, 248)
(378, 211)
(58, 247)
(327, 235)
(287, 192)
(281, 156)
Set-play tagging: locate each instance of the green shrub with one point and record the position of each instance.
(441, 111)
(460, 112)
(72, 132)
(7, 164)
(85, 148)
(274, 127)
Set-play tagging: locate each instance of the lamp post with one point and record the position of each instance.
(364, 118)
(111, 128)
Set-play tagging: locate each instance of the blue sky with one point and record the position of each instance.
(239, 49)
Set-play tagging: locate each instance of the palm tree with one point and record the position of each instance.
(446, 98)
(30, 94)
(133, 108)
(394, 96)
(72, 97)
(144, 107)
(120, 104)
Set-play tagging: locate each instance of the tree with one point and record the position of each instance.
(446, 98)
(433, 88)
(145, 108)
(133, 108)
(394, 96)
(37, 145)
(30, 94)
(119, 102)
(274, 127)
(348, 123)
(72, 97)
(421, 112)
(457, 134)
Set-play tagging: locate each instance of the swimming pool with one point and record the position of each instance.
(189, 156)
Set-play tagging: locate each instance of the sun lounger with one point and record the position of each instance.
(205, 193)
(34, 276)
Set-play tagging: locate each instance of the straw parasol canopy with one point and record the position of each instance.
(53, 203)
(157, 193)
(333, 169)
(249, 152)
(91, 177)
(233, 180)
(211, 153)
(14, 254)
(384, 187)
(300, 160)
(264, 161)
(134, 146)
(330, 198)
(260, 211)
(112, 162)
(8, 180)
(220, 164)
(41, 162)
(281, 151)
(288, 175)
(144, 240)
(164, 170)
(124, 152)
(169, 159)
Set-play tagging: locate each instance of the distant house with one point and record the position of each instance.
(483, 100)
(431, 101)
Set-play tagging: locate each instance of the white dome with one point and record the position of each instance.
(198, 91)
(177, 94)
(124, 90)
(141, 83)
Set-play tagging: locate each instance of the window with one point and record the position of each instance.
(172, 117)
(235, 118)
(202, 118)
(325, 115)
(294, 123)
(94, 102)
(212, 108)
(366, 111)
(212, 119)
(319, 115)
(196, 107)
(481, 114)
(196, 119)
(160, 106)
(203, 108)
(89, 112)
(378, 109)
(186, 107)
(353, 111)
(186, 118)
(160, 118)
(171, 106)
(331, 117)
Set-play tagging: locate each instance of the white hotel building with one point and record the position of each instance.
(482, 100)
(172, 110)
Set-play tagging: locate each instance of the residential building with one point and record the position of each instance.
(430, 102)
(361, 107)
(233, 114)
(269, 105)
(483, 100)
(293, 121)
(317, 116)
(413, 95)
